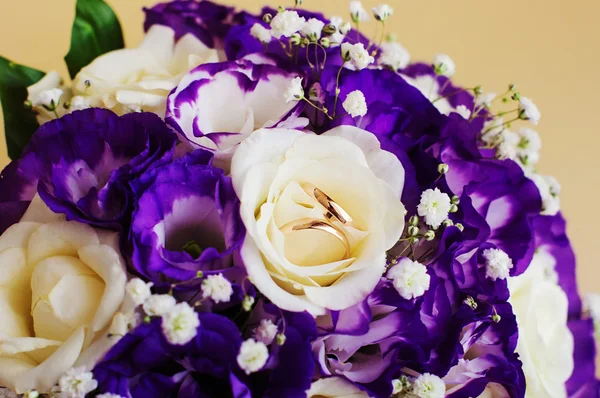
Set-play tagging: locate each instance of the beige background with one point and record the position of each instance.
(549, 48)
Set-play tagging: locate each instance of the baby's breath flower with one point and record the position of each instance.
(253, 356)
(355, 104)
(180, 324)
(138, 290)
(444, 65)
(77, 383)
(410, 278)
(286, 23)
(217, 288)
(295, 91)
(261, 33)
(434, 207)
(498, 264)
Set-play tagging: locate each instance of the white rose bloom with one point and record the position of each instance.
(141, 78)
(545, 343)
(334, 387)
(310, 269)
(61, 289)
(286, 23)
(355, 104)
(394, 55)
(261, 33)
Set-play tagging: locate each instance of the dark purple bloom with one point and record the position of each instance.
(186, 219)
(82, 163)
(205, 20)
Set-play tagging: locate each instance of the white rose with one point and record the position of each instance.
(309, 269)
(334, 387)
(141, 78)
(61, 287)
(545, 343)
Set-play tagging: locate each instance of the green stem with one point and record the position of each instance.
(337, 91)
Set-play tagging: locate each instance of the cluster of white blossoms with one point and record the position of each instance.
(356, 55)
(434, 207)
(253, 356)
(266, 331)
(179, 320)
(218, 288)
(393, 55)
(77, 383)
(498, 264)
(410, 278)
(550, 192)
(355, 104)
(424, 386)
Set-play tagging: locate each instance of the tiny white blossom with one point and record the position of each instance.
(485, 99)
(444, 65)
(180, 324)
(294, 92)
(253, 356)
(31, 394)
(358, 12)
(218, 288)
(394, 55)
(266, 331)
(261, 33)
(463, 111)
(397, 386)
(434, 206)
(355, 104)
(529, 110)
(49, 98)
(358, 55)
(78, 103)
(493, 129)
(159, 304)
(313, 28)
(286, 23)
(509, 145)
(76, 383)
(591, 304)
(109, 395)
(410, 278)
(497, 263)
(429, 386)
(345, 27)
(549, 191)
(529, 145)
(138, 290)
(382, 12)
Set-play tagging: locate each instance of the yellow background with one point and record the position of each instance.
(549, 48)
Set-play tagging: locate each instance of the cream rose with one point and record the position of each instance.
(334, 387)
(141, 78)
(545, 343)
(62, 284)
(310, 269)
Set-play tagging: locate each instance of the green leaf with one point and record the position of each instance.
(96, 31)
(19, 121)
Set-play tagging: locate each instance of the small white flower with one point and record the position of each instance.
(78, 103)
(397, 386)
(345, 27)
(358, 55)
(463, 111)
(180, 325)
(509, 145)
(218, 288)
(266, 331)
(355, 104)
(159, 304)
(342, 29)
(358, 12)
(493, 129)
(253, 356)
(429, 386)
(49, 98)
(394, 55)
(286, 23)
(109, 395)
(382, 12)
(138, 290)
(313, 28)
(444, 65)
(498, 264)
(485, 99)
(295, 91)
(528, 110)
(591, 304)
(549, 191)
(410, 278)
(76, 383)
(529, 145)
(434, 206)
(31, 394)
(261, 33)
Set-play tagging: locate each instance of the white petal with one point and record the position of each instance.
(39, 212)
(160, 41)
(60, 238)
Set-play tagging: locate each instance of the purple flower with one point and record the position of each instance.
(186, 219)
(216, 106)
(205, 20)
(82, 163)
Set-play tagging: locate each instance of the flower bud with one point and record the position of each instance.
(325, 42)
(443, 168)
(295, 39)
(453, 208)
(455, 200)
(413, 239)
(448, 223)
(329, 29)
(429, 235)
(460, 226)
(31, 394)
(199, 274)
(267, 18)
(280, 338)
(470, 301)
(298, 3)
(512, 87)
(280, 9)
(516, 96)
(247, 303)
(478, 90)
(496, 318)
(412, 230)
(414, 220)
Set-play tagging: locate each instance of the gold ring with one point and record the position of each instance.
(333, 209)
(318, 225)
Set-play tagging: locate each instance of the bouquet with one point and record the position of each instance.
(277, 205)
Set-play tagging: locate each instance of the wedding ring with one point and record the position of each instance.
(317, 225)
(334, 211)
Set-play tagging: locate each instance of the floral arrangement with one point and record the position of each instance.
(276, 205)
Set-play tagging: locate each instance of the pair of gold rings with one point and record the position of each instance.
(336, 218)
